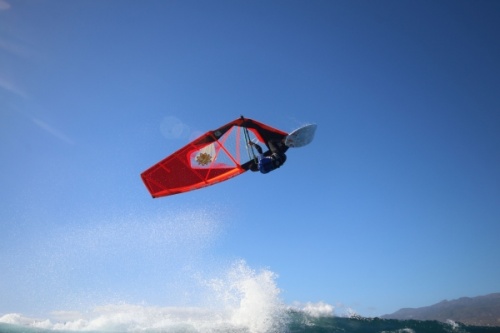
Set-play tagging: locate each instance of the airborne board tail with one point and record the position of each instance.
(301, 137)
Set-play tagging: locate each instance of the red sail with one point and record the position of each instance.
(215, 156)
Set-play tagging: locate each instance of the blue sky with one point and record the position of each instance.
(395, 204)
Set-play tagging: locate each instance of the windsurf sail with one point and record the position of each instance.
(214, 157)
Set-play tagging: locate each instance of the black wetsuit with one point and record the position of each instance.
(270, 162)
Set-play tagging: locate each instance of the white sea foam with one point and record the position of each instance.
(16, 319)
(453, 324)
(239, 300)
(252, 298)
(319, 309)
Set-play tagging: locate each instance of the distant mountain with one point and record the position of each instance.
(476, 311)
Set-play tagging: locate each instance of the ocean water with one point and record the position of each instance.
(127, 318)
(117, 275)
(241, 301)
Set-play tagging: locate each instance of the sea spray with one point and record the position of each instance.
(320, 309)
(135, 318)
(113, 259)
(252, 298)
(241, 299)
(130, 274)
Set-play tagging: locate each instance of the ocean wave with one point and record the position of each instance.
(141, 318)
(241, 300)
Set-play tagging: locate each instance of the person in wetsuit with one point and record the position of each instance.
(268, 163)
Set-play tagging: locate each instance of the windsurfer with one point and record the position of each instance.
(270, 162)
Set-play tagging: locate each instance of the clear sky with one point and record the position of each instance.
(395, 204)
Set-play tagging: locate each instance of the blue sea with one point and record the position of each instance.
(242, 300)
(139, 319)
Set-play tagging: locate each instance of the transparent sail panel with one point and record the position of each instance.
(231, 150)
(235, 143)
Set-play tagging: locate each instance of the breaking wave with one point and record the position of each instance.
(95, 276)
(241, 300)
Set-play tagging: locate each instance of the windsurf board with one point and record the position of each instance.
(302, 136)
